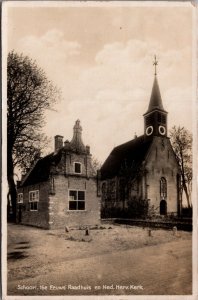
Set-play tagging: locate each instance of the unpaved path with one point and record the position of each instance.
(163, 269)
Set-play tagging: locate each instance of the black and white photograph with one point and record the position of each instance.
(99, 149)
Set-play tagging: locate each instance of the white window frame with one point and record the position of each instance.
(77, 162)
(34, 199)
(71, 198)
(20, 198)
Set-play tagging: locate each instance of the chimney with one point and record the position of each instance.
(66, 144)
(88, 149)
(58, 142)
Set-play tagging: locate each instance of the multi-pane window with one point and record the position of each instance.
(77, 168)
(20, 198)
(33, 200)
(76, 200)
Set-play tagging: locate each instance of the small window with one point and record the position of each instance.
(77, 168)
(20, 198)
(33, 200)
(76, 200)
(34, 196)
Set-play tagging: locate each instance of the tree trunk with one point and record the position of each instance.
(11, 185)
(187, 195)
(13, 197)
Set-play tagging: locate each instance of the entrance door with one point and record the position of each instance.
(163, 207)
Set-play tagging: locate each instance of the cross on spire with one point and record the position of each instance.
(155, 63)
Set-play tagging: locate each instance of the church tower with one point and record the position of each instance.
(143, 168)
(155, 119)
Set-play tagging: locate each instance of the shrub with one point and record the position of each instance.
(137, 208)
(187, 212)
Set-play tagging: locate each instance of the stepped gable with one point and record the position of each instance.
(41, 170)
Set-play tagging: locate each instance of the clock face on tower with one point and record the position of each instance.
(149, 130)
(162, 130)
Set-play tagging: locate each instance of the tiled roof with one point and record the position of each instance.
(41, 170)
(130, 154)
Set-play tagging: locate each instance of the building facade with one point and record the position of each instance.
(143, 173)
(60, 189)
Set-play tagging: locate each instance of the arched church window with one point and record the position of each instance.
(111, 189)
(163, 188)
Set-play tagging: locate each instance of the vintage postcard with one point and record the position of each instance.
(99, 150)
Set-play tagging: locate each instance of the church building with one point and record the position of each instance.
(142, 175)
(61, 188)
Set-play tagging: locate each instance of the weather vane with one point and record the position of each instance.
(155, 63)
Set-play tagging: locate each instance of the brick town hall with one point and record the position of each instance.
(62, 188)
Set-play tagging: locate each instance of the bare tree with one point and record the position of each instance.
(181, 140)
(96, 164)
(29, 94)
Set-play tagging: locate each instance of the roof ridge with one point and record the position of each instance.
(133, 140)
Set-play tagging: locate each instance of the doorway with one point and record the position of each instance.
(163, 207)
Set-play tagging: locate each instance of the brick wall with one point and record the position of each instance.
(53, 207)
(60, 215)
(66, 164)
(38, 218)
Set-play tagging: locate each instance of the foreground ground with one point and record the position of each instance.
(112, 260)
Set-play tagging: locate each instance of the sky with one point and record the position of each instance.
(101, 57)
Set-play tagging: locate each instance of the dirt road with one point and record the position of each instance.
(154, 269)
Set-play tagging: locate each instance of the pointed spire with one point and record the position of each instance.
(155, 100)
(76, 142)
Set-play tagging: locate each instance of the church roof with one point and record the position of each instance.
(155, 99)
(130, 154)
